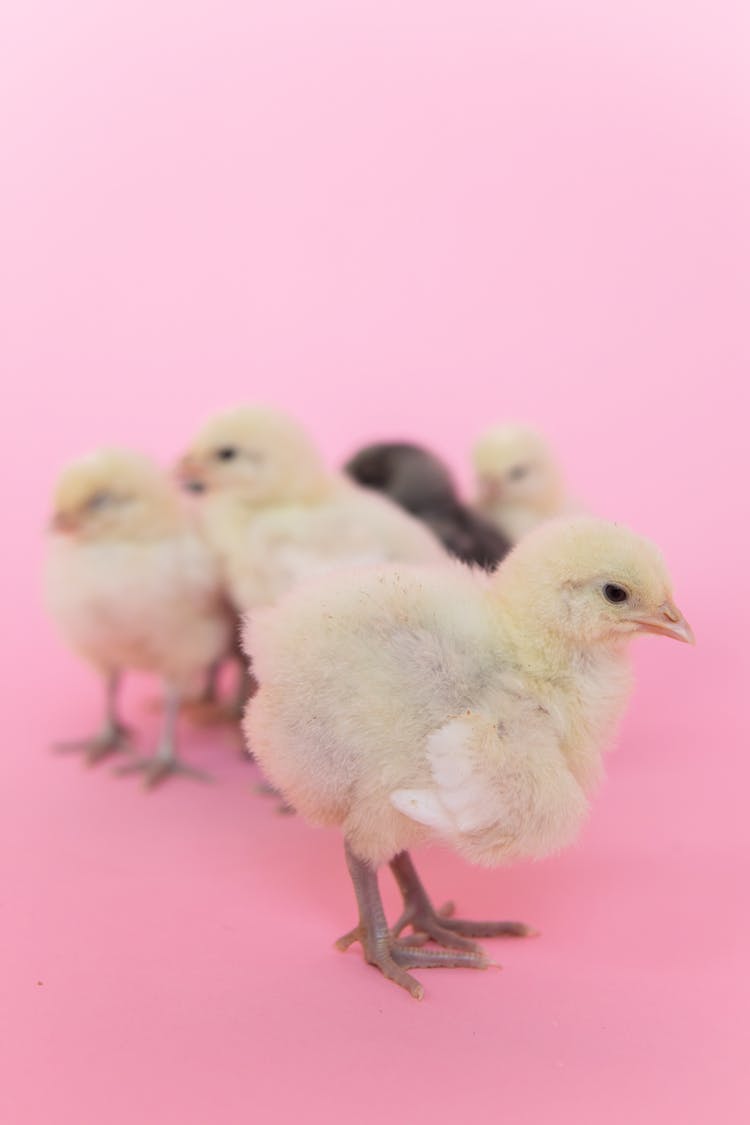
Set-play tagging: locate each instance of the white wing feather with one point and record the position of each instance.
(461, 800)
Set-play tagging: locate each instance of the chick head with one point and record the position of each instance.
(113, 494)
(588, 582)
(516, 468)
(258, 454)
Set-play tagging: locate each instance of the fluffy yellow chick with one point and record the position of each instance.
(519, 483)
(275, 515)
(408, 705)
(132, 586)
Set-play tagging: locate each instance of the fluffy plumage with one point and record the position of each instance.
(519, 482)
(132, 585)
(275, 515)
(413, 704)
(420, 483)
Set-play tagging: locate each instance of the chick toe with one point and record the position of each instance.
(158, 769)
(440, 926)
(112, 740)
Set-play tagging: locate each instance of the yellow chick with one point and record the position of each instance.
(132, 586)
(519, 483)
(411, 705)
(275, 515)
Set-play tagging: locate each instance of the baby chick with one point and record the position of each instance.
(275, 515)
(409, 705)
(421, 484)
(132, 586)
(519, 482)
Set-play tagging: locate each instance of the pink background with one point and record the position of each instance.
(393, 218)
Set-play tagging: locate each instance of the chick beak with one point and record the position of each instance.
(667, 622)
(491, 489)
(64, 523)
(188, 474)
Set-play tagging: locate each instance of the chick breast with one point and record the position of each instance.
(358, 678)
(153, 605)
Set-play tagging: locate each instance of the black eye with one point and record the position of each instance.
(98, 501)
(614, 593)
(518, 472)
(226, 453)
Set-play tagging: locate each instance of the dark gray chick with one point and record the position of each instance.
(418, 481)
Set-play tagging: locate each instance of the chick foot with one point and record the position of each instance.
(393, 957)
(163, 764)
(440, 926)
(165, 761)
(157, 769)
(114, 739)
(387, 952)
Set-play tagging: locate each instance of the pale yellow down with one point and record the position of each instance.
(414, 704)
(519, 481)
(150, 504)
(128, 579)
(275, 515)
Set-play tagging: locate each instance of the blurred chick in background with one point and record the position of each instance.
(519, 482)
(132, 586)
(419, 482)
(275, 515)
(410, 705)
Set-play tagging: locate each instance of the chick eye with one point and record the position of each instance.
(518, 472)
(615, 594)
(226, 453)
(98, 501)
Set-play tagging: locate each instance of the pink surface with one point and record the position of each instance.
(393, 219)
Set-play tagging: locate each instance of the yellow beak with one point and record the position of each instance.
(188, 473)
(667, 622)
(64, 523)
(491, 489)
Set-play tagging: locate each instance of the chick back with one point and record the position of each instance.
(268, 554)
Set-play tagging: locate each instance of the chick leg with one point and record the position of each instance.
(420, 914)
(211, 710)
(165, 761)
(210, 698)
(381, 947)
(208, 709)
(114, 735)
(210, 694)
